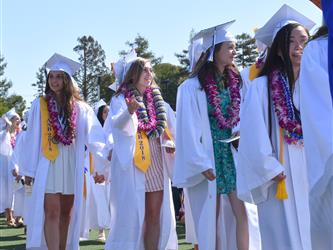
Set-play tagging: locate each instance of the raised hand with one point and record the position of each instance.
(132, 104)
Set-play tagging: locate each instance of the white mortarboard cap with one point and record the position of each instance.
(98, 104)
(121, 67)
(284, 16)
(11, 113)
(58, 62)
(215, 35)
(194, 52)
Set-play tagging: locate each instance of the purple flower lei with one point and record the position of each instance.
(284, 108)
(214, 99)
(65, 137)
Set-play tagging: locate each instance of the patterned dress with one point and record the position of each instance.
(224, 162)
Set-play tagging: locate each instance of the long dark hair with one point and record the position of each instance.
(100, 114)
(278, 55)
(204, 67)
(322, 31)
(69, 94)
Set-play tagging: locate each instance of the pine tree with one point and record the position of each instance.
(141, 46)
(40, 81)
(92, 58)
(246, 50)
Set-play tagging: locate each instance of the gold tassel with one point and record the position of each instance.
(281, 190)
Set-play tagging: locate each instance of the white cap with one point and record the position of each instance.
(11, 113)
(194, 52)
(215, 35)
(99, 104)
(284, 16)
(58, 62)
(121, 67)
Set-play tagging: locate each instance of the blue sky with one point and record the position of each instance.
(31, 31)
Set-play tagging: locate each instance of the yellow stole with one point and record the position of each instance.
(91, 170)
(281, 189)
(253, 72)
(142, 152)
(142, 158)
(49, 149)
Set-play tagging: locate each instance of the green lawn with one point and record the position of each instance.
(12, 238)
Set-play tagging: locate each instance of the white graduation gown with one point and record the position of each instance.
(195, 154)
(88, 132)
(284, 225)
(15, 163)
(127, 188)
(96, 212)
(317, 122)
(6, 177)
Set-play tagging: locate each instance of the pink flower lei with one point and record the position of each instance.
(65, 136)
(214, 99)
(13, 138)
(284, 108)
(152, 114)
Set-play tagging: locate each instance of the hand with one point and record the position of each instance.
(110, 155)
(99, 178)
(209, 174)
(279, 177)
(170, 150)
(132, 104)
(28, 180)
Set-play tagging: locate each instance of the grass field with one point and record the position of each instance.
(14, 238)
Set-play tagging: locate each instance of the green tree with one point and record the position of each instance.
(40, 81)
(168, 78)
(246, 50)
(104, 82)
(184, 64)
(141, 46)
(7, 102)
(92, 58)
(5, 85)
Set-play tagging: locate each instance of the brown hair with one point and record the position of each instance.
(204, 67)
(69, 93)
(133, 74)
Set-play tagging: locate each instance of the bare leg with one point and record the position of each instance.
(152, 219)
(66, 208)
(52, 218)
(196, 247)
(242, 229)
(9, 217)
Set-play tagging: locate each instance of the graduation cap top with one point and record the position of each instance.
(58, 62)
(284, 16)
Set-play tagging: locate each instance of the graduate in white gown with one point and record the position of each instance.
(199, 160)
(143, 128)
(317, 123)
(11, 128)
(59, 127)
(271, 169)
(96, 213)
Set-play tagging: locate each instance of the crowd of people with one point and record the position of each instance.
(252, 150)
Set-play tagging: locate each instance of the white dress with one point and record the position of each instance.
(284, 225)
(88, 132)
(317, 123)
